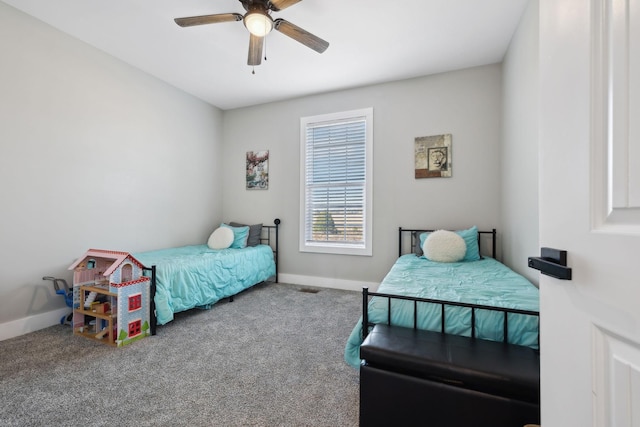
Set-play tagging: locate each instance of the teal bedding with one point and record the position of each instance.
(197, 277)
(485, 282)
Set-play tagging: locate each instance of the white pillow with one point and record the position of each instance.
(221, 238)
(444, 246)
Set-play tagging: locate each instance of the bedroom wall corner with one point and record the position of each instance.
(94, 153)
(465, 103)
(519, 152)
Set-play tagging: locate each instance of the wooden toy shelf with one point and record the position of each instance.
(100, 321)
(101, 289)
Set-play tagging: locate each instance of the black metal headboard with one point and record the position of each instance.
(414, 234)
(270, 237)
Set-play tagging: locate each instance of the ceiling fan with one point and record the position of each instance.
(259, 22)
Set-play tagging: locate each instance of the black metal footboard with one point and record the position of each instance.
(153, 320)
(366, 324)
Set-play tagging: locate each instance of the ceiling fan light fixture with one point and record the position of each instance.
(258, 23)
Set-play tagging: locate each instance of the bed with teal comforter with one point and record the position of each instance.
(484, 282)
(197, 277)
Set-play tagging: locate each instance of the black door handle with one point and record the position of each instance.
(552, 262)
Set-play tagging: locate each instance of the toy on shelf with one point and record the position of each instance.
(111, 297)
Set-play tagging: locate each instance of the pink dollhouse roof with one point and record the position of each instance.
(117, 256)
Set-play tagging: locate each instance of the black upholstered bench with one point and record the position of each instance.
(413, 377)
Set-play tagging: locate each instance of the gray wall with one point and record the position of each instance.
(464, 103)
(93, 154)
(520, 146)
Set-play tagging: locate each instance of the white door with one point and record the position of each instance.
(590, 207)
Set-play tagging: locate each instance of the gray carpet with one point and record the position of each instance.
(273, 357)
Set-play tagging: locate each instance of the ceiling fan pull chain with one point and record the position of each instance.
(253, 70)
(264, 41)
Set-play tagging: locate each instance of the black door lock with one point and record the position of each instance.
(552, 262)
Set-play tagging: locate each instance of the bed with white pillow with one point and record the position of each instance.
(443, 285)
(236, 257)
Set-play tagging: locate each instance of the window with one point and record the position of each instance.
(135, 328)
(127, 273)
(135, 302)
(336, 176)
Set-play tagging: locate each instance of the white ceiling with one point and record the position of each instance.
(371, 41)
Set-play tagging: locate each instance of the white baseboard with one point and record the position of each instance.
(326, 282)
(44, 320)
(31, 323)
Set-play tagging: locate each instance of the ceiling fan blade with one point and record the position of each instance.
(300, 35)
(277, 5)
(208, 19)
(255, 50)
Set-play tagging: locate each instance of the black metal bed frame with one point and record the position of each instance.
(505, 311)
(414, 233)
(153, 320)
(268, 240)
(270, 237)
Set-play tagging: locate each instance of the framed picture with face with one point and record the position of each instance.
(433, 156)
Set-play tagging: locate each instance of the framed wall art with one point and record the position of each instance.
(433, 156)
(257, 170)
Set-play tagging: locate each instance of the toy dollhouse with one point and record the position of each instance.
(111, 297)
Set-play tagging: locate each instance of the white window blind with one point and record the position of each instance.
(336, 181)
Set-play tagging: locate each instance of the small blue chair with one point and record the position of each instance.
(65, 292)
